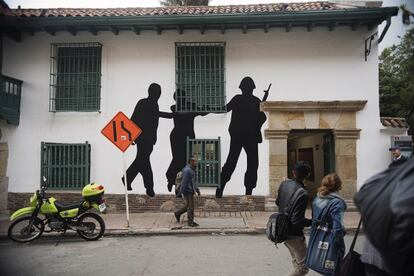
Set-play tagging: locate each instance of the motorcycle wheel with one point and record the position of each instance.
(95, 224)
(20, 230)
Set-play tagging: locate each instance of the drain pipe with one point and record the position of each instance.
(385, 29)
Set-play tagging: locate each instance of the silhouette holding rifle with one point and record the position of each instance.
(245, 133)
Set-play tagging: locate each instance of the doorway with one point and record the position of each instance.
(315, 147)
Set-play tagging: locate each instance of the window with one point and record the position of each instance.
(75, 77)
(66, 166)
(200, 78)
(207, 152)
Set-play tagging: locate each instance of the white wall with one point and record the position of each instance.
(317, 65)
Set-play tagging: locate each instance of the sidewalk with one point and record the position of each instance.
(210, 223)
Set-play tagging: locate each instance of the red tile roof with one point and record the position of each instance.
(189, 10)
(394, 122)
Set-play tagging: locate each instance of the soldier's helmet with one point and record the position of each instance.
(247, 84)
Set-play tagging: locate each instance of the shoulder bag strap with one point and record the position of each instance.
(355, 236)
(326, 211)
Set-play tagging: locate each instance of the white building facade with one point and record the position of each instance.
(317, 66)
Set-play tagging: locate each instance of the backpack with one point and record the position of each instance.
(278, 223)
(277, 227)
(178, 181)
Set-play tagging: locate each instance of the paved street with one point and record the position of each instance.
(154, 255)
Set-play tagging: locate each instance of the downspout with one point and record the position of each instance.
(385, 29)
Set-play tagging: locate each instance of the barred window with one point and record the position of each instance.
(66, 166)
(200, 77)
(75, 77)
(207, 152)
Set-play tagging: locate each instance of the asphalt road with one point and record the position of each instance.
(155, 255)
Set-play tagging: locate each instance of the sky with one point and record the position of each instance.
(393, 36)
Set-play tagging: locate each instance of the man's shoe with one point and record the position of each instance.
(249, 191)
(150, 192)
(177, 216)
(219, 193)
(193, 224)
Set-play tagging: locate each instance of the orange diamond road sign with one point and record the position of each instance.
(121, 131)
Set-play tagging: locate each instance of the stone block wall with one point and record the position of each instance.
(159, 203)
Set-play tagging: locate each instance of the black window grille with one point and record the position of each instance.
(207, 152)
(75, 77)
(200, 77)
(66, 166)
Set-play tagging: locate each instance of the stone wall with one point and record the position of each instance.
(159, 203)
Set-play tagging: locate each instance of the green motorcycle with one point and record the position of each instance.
(29, 223)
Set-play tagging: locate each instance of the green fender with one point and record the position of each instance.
(21, 212)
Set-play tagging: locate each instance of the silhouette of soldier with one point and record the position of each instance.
(245, 133)
(146, 115)
(183, 128)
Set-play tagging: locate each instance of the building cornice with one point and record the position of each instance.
(303, 106)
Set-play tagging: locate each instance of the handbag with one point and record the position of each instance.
(352, 264)
(324, 252)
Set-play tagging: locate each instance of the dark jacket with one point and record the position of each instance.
(286, 200)
(398, 161)
(187, 185)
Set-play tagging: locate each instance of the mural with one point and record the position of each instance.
(183, 128)
(146, 115)
(244, 129)
(245, 133)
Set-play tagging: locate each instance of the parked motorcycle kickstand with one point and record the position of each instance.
(61, 236)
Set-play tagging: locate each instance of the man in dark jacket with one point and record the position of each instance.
(292, 199)
(397, 157)
(188, 189)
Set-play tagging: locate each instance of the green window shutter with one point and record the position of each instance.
(75, 77)
(200, 77)
(207, 152)
(66, 166)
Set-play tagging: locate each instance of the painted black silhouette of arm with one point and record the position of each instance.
(165, 115)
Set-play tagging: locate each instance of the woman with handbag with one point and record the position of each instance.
(326, 242)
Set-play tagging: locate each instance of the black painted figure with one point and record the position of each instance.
(183, 128)
(245, 133)
(146, 115)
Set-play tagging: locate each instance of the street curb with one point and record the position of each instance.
(171, 232)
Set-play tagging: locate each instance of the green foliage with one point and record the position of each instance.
(396, 78)
(185, 2)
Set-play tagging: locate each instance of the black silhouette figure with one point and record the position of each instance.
(183, 128)
(245, 133)
(146, 115)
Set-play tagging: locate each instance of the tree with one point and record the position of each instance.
(185, 2)
(396, 78)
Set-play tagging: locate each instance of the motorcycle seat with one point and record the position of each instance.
(63, 207)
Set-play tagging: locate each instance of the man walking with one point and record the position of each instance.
(294, 192)
(188, 189)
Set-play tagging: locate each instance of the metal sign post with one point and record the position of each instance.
(126, 190)
(122, 132)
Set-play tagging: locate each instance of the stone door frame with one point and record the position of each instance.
(336, 116)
